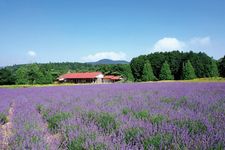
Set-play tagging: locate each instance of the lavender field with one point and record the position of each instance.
(114, 116)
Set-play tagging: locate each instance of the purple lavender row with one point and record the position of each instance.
(29, 131)
(5, 103)
(127, 116)
(149, 98)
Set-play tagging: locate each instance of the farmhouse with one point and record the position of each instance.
(88, 77)
(111, 78)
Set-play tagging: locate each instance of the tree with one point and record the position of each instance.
(222, 66)
(46, 78)
(188, 71)
(148, 74)
(22, 76)
(35, 76)
(156, 59)
(137, 65)
(6, 77)
(126, 72)
(214, 69)
(201, 63)
(30, 74)
(123, 70)
(165, 72)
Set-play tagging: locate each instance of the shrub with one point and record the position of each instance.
(43, 111)
(54, 120)
(98, 146)
(68, 128)
(156, 119)
(180, 102)
(3, 118)
(76, 144)
(103, 120)
(217, 146)
(91, 115)
(40, 107)
(157, 140)
(31, 126)
(142, 114)
(107, 122)
(193, 126)
(130, 97)
(132, 133)
(35, 139)
(167, 100)
(126, 110)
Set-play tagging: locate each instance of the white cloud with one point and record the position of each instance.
(168, 44)
(105, 55)
(200, 41)
(171, 43)
(32, 53)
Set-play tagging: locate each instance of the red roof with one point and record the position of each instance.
(81, 75)
(112, 77)
(116, 78)
(108, 77)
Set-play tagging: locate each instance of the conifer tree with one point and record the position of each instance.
(222, 67)
(188, 71)
(214, 69)
(148, 74)
(165, 72)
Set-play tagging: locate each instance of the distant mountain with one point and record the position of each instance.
(108, 61)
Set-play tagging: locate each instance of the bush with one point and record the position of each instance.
(156, 119)
(193, 126)
(91, 115)
(167, 100)
(43, 111)
(103, 120)
(132, 133)
(107, 122)
(3, 118)
(98, 146)
(76, 144)
(126, 110)
(35, 139)
(142, 114)
(54, 120)
(180, 102)
(217, 146)
(157, 140)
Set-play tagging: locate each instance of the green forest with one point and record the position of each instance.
(156, 66)
(178, 65)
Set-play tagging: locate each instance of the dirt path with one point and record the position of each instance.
(6, 129)
(52, 140)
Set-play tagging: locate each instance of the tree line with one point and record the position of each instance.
(48, 73)
(152, 67)
(176, 65)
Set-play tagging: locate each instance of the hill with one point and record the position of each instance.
(108, 62)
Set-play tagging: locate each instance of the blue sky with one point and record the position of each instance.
(88, 30)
